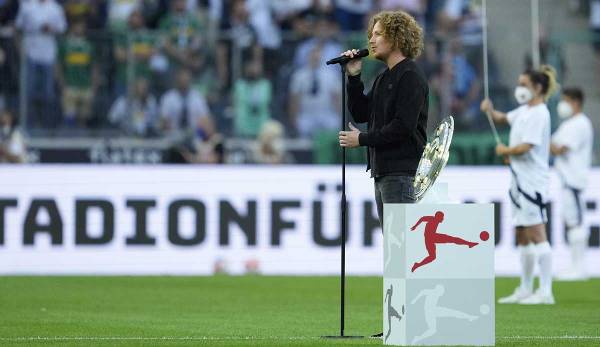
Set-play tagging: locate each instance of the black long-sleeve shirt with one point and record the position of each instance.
(396, 112)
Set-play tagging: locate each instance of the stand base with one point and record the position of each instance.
(343, 337)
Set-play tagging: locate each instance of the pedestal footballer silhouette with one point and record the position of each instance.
(391, 311)
(432, 237)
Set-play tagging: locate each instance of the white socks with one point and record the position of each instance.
(528, 255)
(578, 238)
(544, 254)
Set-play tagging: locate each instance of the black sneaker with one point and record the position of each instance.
(380, 335)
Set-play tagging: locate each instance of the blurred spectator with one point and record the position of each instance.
(303, 17)
(270, 148)
(41, 21)
(324, 31)
(415, 8)
(461, 18)
(286, 11)
(464, 86)
(182, 107)
(433, 8)
(133, 50)
(184, 35)
(595, 23)
(315, 97)
(93, 12)
(429, 62)
(551, 53)
(239, 45)
(136, 114)
(8, 11)
(252, 100)
(9, 57)
(351, 14)
(77, 75)
(207, 144)
(302, 26)
(153, 11)
(268, 33)
(262, 20)
(12, 144)
(119, 11)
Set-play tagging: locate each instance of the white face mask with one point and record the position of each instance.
(523, 94)
(564, 109)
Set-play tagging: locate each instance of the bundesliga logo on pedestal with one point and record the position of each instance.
(438, 281)
(432, 237)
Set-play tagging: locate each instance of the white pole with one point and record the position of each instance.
(486, 83)
(535, 33)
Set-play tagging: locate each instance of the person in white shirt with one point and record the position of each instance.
(119, 11)
(572, 146)
(314, 98)
(136, 114)
(529, 152)
(182, 106)
(40, 21)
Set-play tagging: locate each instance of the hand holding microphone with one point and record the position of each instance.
(351, 59)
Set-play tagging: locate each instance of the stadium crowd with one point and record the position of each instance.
(216, 69)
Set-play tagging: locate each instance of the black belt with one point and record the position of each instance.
(576, 193)
(537, 200)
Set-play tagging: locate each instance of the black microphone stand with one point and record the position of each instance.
(343, 217)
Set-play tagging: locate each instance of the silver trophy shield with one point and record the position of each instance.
(434, 158)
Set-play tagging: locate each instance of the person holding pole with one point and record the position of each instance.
(395, 109)
(528, 154)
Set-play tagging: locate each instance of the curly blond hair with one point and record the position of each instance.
(401, 29)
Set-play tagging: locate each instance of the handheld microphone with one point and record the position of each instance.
(344, 59)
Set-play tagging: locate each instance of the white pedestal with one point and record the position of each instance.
(438, 277)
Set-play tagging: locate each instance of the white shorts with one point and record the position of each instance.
(528, 207)
(571, 207)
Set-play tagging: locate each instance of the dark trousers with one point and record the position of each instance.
(393, 189)
(41, 96)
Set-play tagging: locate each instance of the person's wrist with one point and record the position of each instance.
(361, 138)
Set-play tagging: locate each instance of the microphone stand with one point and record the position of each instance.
(343, 217)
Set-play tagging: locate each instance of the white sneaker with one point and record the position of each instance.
(538, 299)
(518, 295)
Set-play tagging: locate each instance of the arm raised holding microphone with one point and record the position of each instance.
(395, 108)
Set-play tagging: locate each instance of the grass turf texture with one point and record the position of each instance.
(251, 310)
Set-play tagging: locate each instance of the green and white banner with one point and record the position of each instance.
(198, 220)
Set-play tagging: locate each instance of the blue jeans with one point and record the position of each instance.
(393, 189)
(41, 95)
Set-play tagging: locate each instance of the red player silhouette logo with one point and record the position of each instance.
(432, 237)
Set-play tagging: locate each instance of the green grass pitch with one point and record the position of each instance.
(251, 310)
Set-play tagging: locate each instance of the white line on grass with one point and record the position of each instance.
(161, 338)
(240, 338)
(564, 337)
